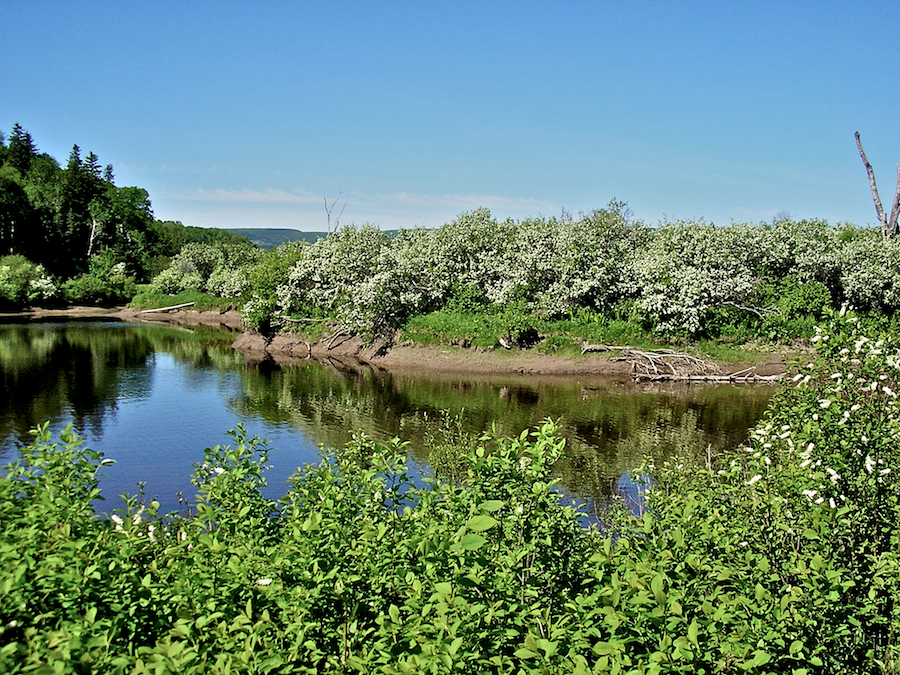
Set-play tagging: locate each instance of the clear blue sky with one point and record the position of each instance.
(248, 114)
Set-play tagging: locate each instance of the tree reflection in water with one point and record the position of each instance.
(160, 395)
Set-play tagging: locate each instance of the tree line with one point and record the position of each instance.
(73, 219)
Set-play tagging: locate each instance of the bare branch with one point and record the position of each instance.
(878, 208)
(895, 209)
(330, 208)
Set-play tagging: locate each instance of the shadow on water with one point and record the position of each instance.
(152, 397)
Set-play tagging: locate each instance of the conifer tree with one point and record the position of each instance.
(21, 149)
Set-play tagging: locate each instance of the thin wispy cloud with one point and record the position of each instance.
(405, 200)
(471, 201)
(304, 209)
(266, 196)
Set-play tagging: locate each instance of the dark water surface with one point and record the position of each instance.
(153, 397)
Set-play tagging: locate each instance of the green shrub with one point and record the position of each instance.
(777, 557)
(24, 283)
(260, 309)
(219, 269)
(106, 282)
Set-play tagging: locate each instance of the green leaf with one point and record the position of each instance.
(523, 653)
(760, 658)
(472, 542)
(759, 592)
(492, 505)
(693, 631)
(443, 588)
(481, 523)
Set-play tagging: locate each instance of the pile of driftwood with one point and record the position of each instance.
(667, 364)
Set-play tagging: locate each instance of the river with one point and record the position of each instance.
(153, 397)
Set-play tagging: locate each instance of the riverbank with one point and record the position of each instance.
(463, 360)
(75, 312)
(352, 351)
(230, 319)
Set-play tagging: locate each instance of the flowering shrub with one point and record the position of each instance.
(685, 278)
(214, 268)
(328, 274)
(23, 283)
(260, 294)
(781, 556)
(687, 270)
(870, 273)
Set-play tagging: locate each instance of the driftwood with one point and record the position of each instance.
(665, 362)
(166, 309)
(740, 376)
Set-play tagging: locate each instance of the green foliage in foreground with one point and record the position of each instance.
(778, 557)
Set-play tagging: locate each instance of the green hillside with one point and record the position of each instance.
(272, 237)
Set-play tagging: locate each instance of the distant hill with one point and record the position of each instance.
(272, 237)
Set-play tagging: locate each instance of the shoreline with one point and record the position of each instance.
(352, 352)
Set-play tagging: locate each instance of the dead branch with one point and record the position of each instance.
(338, 333)
(666, 363)
(329, 209)
(166, 309)
(586, 348)
(888, 227)
(747, 378)
(753, 310)
(895, 208)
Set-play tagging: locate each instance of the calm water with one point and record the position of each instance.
(153, 397)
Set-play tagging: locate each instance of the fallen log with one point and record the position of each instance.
(166, 309)
(586, 348)
(732, 377)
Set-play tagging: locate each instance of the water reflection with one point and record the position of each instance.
(152, 397)
(610, 426)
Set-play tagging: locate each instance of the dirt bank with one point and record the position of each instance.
(40, 314)
(408, 358)
(214, 318)
(352, 352)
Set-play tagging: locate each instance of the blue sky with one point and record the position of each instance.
(239, 114)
